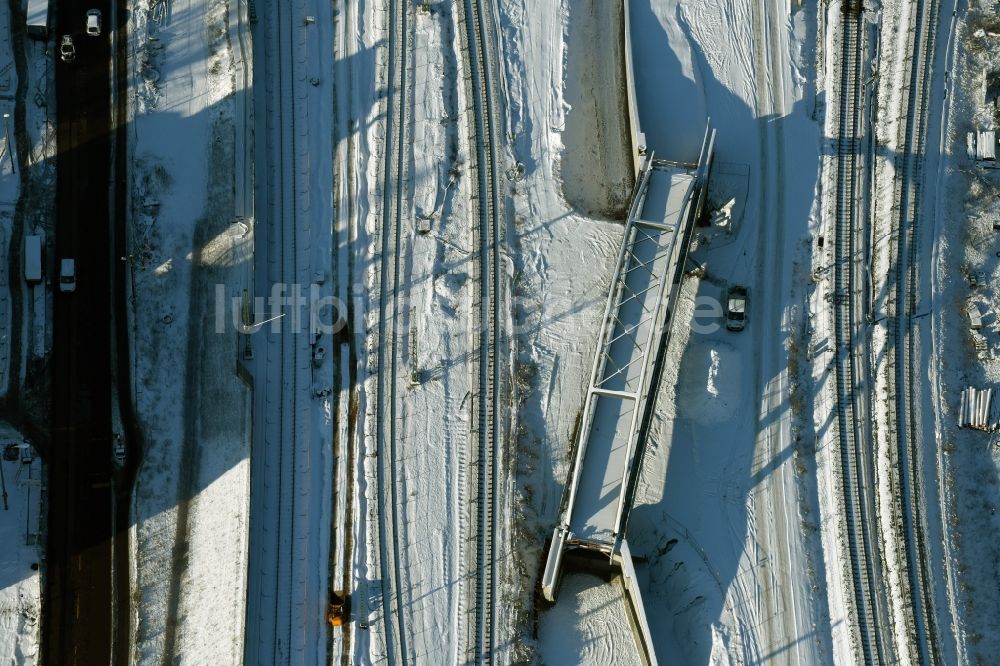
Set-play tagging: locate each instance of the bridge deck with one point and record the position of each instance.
(635, 329)
(636, 314)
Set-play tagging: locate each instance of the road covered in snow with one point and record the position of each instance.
(725, 494)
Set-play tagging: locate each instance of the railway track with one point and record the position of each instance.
(851, 366)
(479, 464)
(346, 214)
(398, 103)
(904, 422)
(279, 580)
(488, 228)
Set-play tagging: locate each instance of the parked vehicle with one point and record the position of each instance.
(67, 50)
(118, 449)
(67, 275)
(94, 22)
(736, 308)
(33, 259)
(338, 608)
(37, 19)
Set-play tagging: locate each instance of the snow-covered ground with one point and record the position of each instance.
(727, 527)
(728, 442)
(191, 492)
(20, 554)
(434, 432)
(747, 588)
(563, 262)
(430, 615)
(962, 203)
(893, 60)
(587, 625)
(736, 517)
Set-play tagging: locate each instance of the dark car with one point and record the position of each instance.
(736, 308)
(67, 50)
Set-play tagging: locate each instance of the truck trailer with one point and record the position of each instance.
(38, 19)
(33, 259)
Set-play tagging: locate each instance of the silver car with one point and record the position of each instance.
(94, 22)
(67, 275)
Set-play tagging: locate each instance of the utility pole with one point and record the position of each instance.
(3, 484)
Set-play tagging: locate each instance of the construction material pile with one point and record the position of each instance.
(976, 409)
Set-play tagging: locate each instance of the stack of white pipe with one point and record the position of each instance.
(975, 409)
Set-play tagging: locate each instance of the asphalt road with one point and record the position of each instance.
(77, 623)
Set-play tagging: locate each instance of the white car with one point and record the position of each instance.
(67, 275)
(94, 22)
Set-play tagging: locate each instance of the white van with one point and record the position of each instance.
(94, 22)
(33, 259)
(67, 275)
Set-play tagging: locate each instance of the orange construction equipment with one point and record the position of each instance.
(337, 609)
